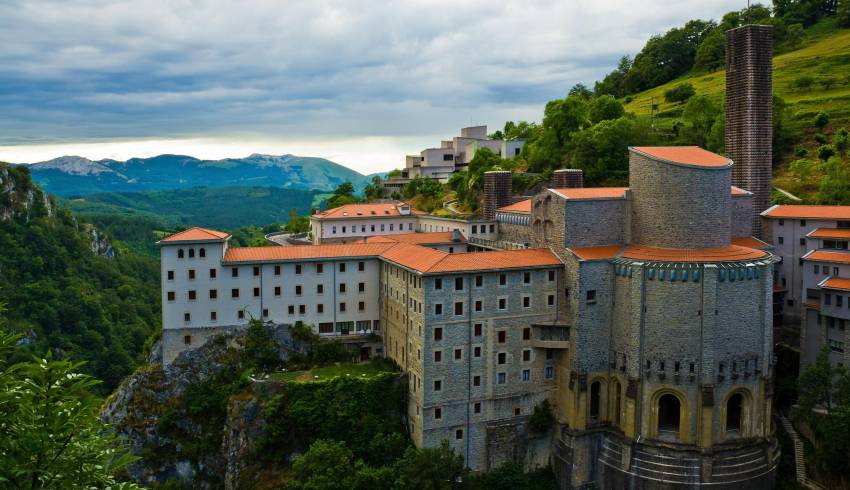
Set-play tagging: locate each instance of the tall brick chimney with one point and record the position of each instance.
(749, 113)
(567, 178)
(497, 192)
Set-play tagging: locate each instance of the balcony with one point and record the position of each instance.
(550, 336)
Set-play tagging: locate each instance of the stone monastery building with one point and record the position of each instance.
(642, 314)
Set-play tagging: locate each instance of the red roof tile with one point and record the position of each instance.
(430, 237)
(732, 253)
(591, 192)
(196, 234)
(824, 256)
(428, 260)
(799, 211)
(364, 211)
(836, 283)
(597, 253)
(685, 155)
(738, 192)
(839, 233)
(305, 252)
(749, 242)
(523, 206)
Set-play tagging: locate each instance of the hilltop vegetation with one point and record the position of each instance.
(66, 291)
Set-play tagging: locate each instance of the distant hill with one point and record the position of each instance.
(222, 207)
(78, 176)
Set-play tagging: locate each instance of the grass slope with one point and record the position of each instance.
(222, 207)
(824, 53)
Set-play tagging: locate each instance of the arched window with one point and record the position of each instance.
(202, 252)
(179, 253)
(668, 416)
(191, 253)
(734, 413)
(594, 401)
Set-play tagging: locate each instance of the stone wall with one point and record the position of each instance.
(678, 206)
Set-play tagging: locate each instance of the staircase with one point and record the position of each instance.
(799, 456)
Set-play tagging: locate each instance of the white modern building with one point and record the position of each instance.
(354, 222)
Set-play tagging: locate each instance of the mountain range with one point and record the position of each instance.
(78, 176)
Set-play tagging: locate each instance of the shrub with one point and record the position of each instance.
(821, 120)
(825, 152)
(804, 82)
(841, 140)
(680, 93)
(821, 138)
(801, 152)
(541, 418)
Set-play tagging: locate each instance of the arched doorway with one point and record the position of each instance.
(669, 413)
(734, 414)
(595, 401)
(616, 416)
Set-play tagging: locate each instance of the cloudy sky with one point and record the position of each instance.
(362, 83)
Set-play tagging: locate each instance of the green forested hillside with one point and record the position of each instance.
(216, 207)
(63, 292)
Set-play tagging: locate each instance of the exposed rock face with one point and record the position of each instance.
(147, 410)
(20, 197)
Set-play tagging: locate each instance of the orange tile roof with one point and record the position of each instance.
(591, 192)
(830, 233)
(836, 283)
(428, 260)
(737, 192)
(305, 252)
(824, 256)
(430, 237)
(597, 253)
(363, 211)
(686, 155)
(523, 206)
(800, 211)
(749, 242)
(196, 234)
(732, 253)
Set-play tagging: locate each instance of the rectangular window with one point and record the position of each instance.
(277, 290)
(591, 296)
(297, 290)
(526, 277)
(187, 339)
(213, 294)
(476, 352)
(361, 287)
(438, 333)
(478, 305)
(326, 327)
(503, 279)
(803, 241)
(526, 302)
(191, 274)
(170, 275)
(170, 295)
(240, 314)
(458, 354)
(502, 358)
(526, 355)
(781, 240)
(212, 273)
(320, 289)
(438, 283)
(256, 292)
(458, 308)
(234, 293)
(320, 308)
(291, 309)
(502, 336)
(479, 281)
(302, 309)
(817, 269)
(187, 317)
(256, 270)
(474, 229)
(361, 305)
(438, 385)
(476, 381)
(277, 270)
(234, 272)
(265, 312)
(342, 287)
(501, 378)
(438, 356)
(342, 306)
(548, 372)
(526, 374)
(458, 434)
(342, 266)
(551, 276)
(213, 316)
(477, 407)
(477, 329)
(550, 300)
(361, 266)
(438, 309)
(503, 303)
(438, 412)
(458, 284)
(526, 333)
(298, 268)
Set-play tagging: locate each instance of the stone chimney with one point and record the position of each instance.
(567, 178)
(749, 113)
(497, 192)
